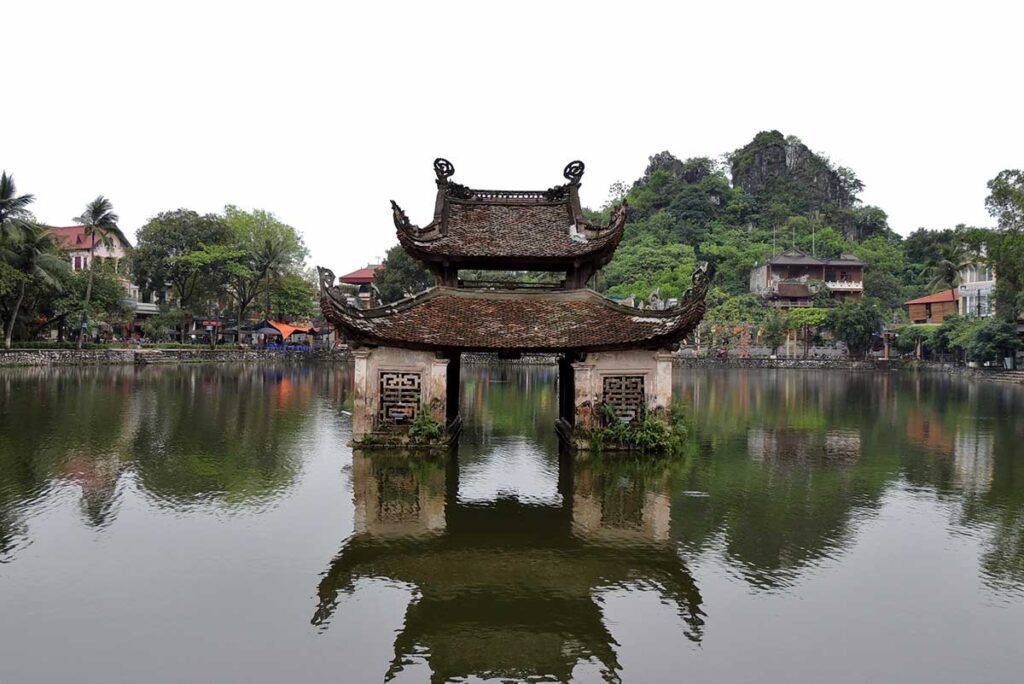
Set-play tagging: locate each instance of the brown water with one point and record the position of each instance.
(208, 523)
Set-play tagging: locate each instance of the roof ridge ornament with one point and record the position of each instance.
(444, 169)
(402, 222)
(573, 171)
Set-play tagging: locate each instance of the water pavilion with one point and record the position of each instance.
(407, 353)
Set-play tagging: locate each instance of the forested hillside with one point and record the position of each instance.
(781, 194)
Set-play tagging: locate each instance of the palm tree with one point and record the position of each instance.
(33, 254)
(14, 215)
(946, 266)
(100, 222)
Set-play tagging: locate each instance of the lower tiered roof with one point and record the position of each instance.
(513, 320)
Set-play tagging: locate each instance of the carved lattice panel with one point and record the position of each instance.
(625, 394)
(399, 397)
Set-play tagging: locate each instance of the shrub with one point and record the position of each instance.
(425, 429)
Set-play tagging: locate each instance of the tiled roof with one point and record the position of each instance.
(73, 238)
(362, 276)
(511, 225)
(454, 318)
(938, 297)
(795, 257)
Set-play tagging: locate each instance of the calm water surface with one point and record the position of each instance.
(209, 524)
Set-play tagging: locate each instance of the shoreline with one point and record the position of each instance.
(35, 358)
(25, 358)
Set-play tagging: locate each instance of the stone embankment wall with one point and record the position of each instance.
(524, 360)
(822, 363)
(96, 357)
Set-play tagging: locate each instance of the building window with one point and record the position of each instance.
(399, 397)
(76, 263)
(625, 394)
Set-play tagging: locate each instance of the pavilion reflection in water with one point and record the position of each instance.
(508, 588)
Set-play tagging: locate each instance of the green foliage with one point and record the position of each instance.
(32, 253)
(808, 317)
(293, 297)
(643, 266)
(105, 305)
(272, 255)
(856, 324)
(646, 433)
(990, 340)
(400, 276)
(1005, 201)
(15, 217)
(773, 332)
(424, 429)
(743, 308)
(168, 252)
(160, 326)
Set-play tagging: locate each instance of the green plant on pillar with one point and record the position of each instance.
(424, 429)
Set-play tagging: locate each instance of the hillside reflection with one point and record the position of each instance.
(783, 468)
(792, 461)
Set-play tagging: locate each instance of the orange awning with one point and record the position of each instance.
(286, 330)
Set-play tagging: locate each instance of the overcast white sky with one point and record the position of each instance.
(322, 113)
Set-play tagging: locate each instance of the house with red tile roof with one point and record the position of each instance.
(79, 248)
(933, 308)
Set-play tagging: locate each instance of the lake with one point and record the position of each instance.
(210, 523)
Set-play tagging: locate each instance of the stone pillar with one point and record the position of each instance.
(436, 399)
(370, 365)
(364, 394)
(654, 368)
(586, 396)
(660, 398)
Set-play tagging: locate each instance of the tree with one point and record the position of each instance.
(105, 305)
(400, 276)
(1005, 201)
(944, 268)
(33, 255)
(294, 297)
(806, 320)
(15, 218)
(856, 323)
(161, 257)
(270, 249)
(100, 223)
(991, 340)
(1006, 247)
(773, 332)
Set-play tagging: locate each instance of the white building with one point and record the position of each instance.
(76, 244)
(976, 285)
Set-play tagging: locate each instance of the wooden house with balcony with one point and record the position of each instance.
(791, 279)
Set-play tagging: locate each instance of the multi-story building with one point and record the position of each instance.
(976, 285)
(789, 279)
(79, 248)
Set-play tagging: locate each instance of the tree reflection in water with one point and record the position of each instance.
(507, 588)
(194, 436)
(783, 471)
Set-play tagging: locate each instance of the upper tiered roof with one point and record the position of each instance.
(509, 229)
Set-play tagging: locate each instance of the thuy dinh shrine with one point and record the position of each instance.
(407, 353)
